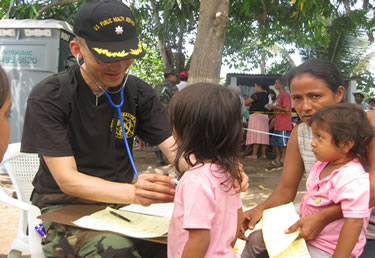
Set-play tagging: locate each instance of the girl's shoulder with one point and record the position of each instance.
(209, 173)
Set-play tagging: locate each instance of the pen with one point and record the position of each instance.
(120, 216)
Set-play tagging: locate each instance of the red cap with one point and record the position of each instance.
(184, 74)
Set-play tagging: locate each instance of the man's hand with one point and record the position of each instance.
(251, 218)
(310, 226)
(154, 188)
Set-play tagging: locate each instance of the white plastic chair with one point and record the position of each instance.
(21, 168)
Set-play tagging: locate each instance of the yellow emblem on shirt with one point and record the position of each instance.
(318, 200)
(129, 126)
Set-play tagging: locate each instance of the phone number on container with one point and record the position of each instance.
(19, 60)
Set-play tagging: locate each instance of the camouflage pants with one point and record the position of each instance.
(67, 241)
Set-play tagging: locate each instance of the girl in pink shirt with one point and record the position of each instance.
(206, 122)
(341, 136)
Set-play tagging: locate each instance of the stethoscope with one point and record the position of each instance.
(117, 107)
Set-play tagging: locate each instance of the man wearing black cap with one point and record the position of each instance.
(165, 91)
(72, 122)
(167, 88)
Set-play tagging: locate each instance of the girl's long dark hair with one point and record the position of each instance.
(346, 122)
(206, 120)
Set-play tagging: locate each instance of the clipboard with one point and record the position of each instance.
(70, 213)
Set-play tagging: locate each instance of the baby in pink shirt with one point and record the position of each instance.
(341, 136)
(206, 122)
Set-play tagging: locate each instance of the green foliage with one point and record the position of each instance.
(178, 19)
(255, 25)
(282, 67)
(149, 68)
(321, 28)
(28, 9)
(366, 82)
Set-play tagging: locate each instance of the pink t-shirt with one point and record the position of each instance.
(283, 122)
(201, 202)
(348, 186)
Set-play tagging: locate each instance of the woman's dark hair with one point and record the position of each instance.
(345, 122)
(272, 93)
(4, 87)
(321, 69)
(283, 80)
(264, 86)
(206, 119)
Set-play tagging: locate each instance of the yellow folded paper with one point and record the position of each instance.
(280, 245)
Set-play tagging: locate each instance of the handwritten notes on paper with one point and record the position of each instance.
(279, 245)
(141, 226)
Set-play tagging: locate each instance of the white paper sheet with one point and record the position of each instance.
(141, 226)
(156, 209)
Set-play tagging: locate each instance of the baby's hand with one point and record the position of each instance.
(245, 181)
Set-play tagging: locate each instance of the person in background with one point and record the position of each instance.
(371, 103)
(339, 178)
(314, 84)
(5, 105)
(295, 120)
(283, 123)
(237, 91)
(271, 114)
(165, 91)
(208, 209)
(258, 121)
(360, 99)
(78, 134)
(184, 75)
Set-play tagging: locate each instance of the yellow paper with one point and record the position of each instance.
(141, 226)
(275, 221)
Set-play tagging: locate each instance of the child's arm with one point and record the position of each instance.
(348, 237)
(197, 244)
(239, 224)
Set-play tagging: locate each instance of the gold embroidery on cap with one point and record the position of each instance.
(119, 19)
(318, 200)
(111, 20)
(130, 21)
(123, 53)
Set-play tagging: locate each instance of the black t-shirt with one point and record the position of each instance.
(260, 100)
(67, 122)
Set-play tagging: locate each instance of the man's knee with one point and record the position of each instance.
(254, 246)
(108, 245)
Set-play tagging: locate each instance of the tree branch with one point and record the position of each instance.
(347, 7)
(161, 39)
(264, 15)
(61, 2)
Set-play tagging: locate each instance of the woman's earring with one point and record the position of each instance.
(77, 58)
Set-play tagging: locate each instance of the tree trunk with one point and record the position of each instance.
(161, 37)
(209, 44)
(262, 63)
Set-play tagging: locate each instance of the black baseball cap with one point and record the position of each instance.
(109, 30)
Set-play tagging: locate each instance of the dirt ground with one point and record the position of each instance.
(261, 185)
